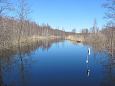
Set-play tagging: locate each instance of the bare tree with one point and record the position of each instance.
(14, 29)
(95, 28)
(74, 31)
(85, 32)
(110, 6)
(110, 15)
(5, 5)
(23, 12)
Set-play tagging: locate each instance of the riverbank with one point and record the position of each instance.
(78, 39)
(27, 41)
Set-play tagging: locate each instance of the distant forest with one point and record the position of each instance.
(18, 29)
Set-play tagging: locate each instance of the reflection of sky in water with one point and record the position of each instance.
(63, 64)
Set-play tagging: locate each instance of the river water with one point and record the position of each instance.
(56, 63)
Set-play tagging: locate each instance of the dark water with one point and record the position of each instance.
(56, 63)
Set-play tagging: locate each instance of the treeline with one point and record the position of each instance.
(15, 30)
(104, 38)
(11, 33)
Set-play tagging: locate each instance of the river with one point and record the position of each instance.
(56, 63)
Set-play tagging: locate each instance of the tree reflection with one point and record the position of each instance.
(1, 78)
(17, 59)
(109, 66)
(22, 68)
(109, 79)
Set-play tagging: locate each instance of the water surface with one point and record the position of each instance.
(56, 63)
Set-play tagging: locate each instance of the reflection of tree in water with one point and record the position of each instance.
(109, 79)
(5, 62)
(21, 68)
(20, 57)
(1, 77)
(109, 66)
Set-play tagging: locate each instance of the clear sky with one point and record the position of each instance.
(68, 14)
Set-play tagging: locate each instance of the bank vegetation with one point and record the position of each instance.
(18, 30)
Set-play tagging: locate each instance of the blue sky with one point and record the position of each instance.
(68, 14)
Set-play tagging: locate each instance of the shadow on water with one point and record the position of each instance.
(16, 59)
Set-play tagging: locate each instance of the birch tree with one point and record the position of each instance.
(23, 12)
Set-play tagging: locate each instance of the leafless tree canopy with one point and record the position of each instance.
(110, 6)
(105, 37)
(16, 30)
(5, 6)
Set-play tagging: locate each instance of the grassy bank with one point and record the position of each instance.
(27, 41)
(75, 38)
